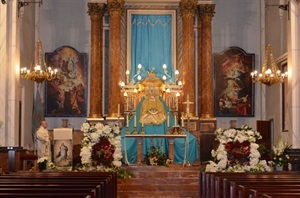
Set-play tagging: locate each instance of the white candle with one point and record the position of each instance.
(182, 122)
(118, 110)
(142, 124)
(134, 120)
(127, 118)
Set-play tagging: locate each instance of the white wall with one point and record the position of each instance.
(237, 23)
(65, 23)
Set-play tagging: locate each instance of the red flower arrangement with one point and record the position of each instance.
(102, 152)
(238, 152)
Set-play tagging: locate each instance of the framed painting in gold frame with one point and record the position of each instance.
(66, 96)
(233, 87)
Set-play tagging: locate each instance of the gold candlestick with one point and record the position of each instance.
(135, 131)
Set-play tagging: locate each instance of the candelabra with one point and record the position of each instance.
(269, 76)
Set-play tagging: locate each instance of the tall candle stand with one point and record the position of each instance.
(134, 124)
(143, 131)
(188, 121)
(182, 125)
(168, 124)
(135, 131)
(128, 115)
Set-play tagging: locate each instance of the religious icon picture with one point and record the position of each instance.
(62, 153)
(233, 87)
(67, 94)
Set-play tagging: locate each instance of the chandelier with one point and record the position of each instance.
(269, 76)
(38, 70)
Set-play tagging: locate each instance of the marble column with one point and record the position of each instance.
(206, 12)
(96, 12)
(115, 9)
(188, 10)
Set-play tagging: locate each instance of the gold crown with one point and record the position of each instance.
(151, 80)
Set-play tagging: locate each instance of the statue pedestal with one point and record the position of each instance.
(140, 138)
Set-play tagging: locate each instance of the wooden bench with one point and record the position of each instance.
(94, 184)
(226, 184)
(281, 195)
(259, 191)
(109, 178)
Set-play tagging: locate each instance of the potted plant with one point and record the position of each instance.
(279, 155)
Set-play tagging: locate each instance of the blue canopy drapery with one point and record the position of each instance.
(129, 145)
(151, 45)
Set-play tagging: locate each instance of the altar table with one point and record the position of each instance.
(170, 138)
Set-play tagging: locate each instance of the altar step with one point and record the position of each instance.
(160, 182)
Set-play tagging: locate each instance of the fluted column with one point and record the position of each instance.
(115, 9)
(188, 10)
(206, 91)
(96, 12)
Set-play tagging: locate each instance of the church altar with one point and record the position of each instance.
(185, 149)
(169, 137)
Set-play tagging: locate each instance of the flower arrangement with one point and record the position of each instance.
(51, 166)
(156, 157)
(101, 146)
(42, 163)
(102, 152)
(237, 152)
(279, 155)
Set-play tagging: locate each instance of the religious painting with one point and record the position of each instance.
(63, 153)
(66, 96)
(233, 87)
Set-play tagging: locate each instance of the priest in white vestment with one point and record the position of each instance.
(43, 140)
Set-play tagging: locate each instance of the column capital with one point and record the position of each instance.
(96, 9)
(206, 10)
(115, 7)
(188, 7)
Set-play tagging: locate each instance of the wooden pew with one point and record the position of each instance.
(107, 181)
(259, 191)
(218, 184)
(232, 191)
(281, 195)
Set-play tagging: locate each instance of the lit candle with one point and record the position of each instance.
(118, 110)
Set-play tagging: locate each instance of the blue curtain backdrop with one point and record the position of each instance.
(151, 45)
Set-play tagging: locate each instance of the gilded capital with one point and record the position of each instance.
(206, 10)
(115, 6)
(188, 7)
(96, 9)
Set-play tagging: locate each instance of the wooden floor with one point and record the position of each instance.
(158, 181)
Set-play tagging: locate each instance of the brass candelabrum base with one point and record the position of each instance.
(127, 131)
(175, 130)
(135, 131)
(168, 131)
(143, 131)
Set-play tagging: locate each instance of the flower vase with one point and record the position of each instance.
(42, 166)
(279, 168)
